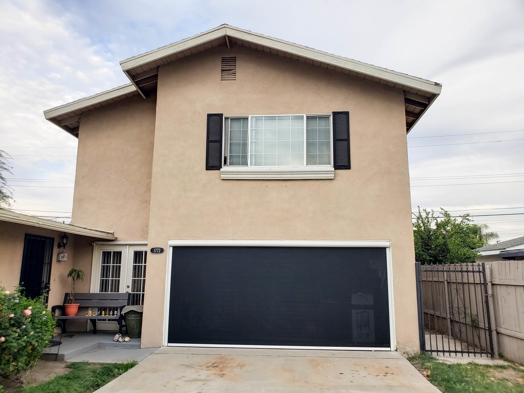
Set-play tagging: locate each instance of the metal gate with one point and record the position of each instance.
(453, 310)
(36, 265)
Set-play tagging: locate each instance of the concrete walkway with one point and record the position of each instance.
(97, 348)
(270, 371)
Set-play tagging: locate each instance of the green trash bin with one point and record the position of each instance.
(133, 323)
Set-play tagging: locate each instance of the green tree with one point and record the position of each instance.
(486, 235)
(440, 238)
(6, 196)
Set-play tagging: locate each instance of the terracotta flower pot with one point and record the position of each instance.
(71, 309)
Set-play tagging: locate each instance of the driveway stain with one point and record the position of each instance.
(224, 367)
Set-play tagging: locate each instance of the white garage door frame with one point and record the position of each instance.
(284, 243)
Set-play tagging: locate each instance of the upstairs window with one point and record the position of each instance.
(278, 141)
(278, 146)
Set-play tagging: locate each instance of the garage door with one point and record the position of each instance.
(279, 296)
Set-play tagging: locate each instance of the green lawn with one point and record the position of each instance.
(83, 378)
(470, 377)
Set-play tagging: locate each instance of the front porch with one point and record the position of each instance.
(97, 348)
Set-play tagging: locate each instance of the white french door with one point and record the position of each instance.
(120, 268)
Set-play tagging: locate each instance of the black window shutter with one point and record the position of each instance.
(215, 122)
(341, 146)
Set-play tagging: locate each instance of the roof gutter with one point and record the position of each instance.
(23, 219)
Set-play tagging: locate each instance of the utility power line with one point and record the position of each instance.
(466, 143)
(484, 208)
(485, 215)
(19, 185)
(43, 211)
(459, 135)
(469, 184)
(39, 147)
(40, 181)
(35, 179)
(518, 174)
(39, 155)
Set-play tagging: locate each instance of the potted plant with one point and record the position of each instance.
(71, 308)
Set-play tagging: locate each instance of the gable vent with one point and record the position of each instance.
(229, 69)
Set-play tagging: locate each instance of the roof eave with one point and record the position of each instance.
(76, 108)
(487, 253)
(294, 49)
(202, 38)
(23, 219)
(91, 100)
(433, 98)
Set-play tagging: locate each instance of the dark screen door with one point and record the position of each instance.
(36, 264)
(333, 297)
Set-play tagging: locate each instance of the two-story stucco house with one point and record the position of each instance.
(258, 191)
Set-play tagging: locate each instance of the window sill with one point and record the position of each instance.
(325, 172)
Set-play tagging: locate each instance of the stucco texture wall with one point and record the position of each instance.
(12, 245)
(369, 202)
(113, 176)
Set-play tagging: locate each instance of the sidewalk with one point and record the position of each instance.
(96, 348)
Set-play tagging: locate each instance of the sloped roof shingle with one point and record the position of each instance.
(503, 245)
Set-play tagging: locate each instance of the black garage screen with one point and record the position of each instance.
(276, 296)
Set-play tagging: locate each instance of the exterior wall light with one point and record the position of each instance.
(63, 241)
(62, 255)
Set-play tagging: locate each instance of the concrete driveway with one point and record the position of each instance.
(268, 370)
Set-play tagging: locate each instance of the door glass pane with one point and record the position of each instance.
(138, 277)
(110, 271)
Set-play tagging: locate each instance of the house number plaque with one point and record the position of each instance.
(157, 250)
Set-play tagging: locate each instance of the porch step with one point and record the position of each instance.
(75, 344)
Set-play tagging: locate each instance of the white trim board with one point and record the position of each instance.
(91, 100)
(164, 55)
(24, 219)
(373, 349)
(325, 172)
(284, 46)
(283, 243)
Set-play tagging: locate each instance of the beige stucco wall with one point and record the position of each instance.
(12, 245)
(113, 176)
(369, 202)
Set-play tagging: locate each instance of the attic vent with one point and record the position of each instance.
(229, 69)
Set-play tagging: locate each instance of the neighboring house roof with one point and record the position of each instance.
(18, 218)
(142, 71)
(494, 249)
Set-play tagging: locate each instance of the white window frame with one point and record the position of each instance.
(126, 269)
(386, 244)
(292, 172)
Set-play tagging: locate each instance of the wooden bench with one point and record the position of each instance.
(97, 302)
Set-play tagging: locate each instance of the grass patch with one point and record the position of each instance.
(84, 377)
(470, 377)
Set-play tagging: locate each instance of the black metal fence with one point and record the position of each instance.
(453, 309)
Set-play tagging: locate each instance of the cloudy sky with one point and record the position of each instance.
(466, 154)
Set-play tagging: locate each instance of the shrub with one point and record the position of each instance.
(26, 326)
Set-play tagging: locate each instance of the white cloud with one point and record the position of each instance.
(56, 52)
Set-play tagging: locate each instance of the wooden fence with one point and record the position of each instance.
(454, 304)
(507, 280)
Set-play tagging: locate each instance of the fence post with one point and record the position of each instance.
(446, 297)
(491, 315)
(420, 307)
